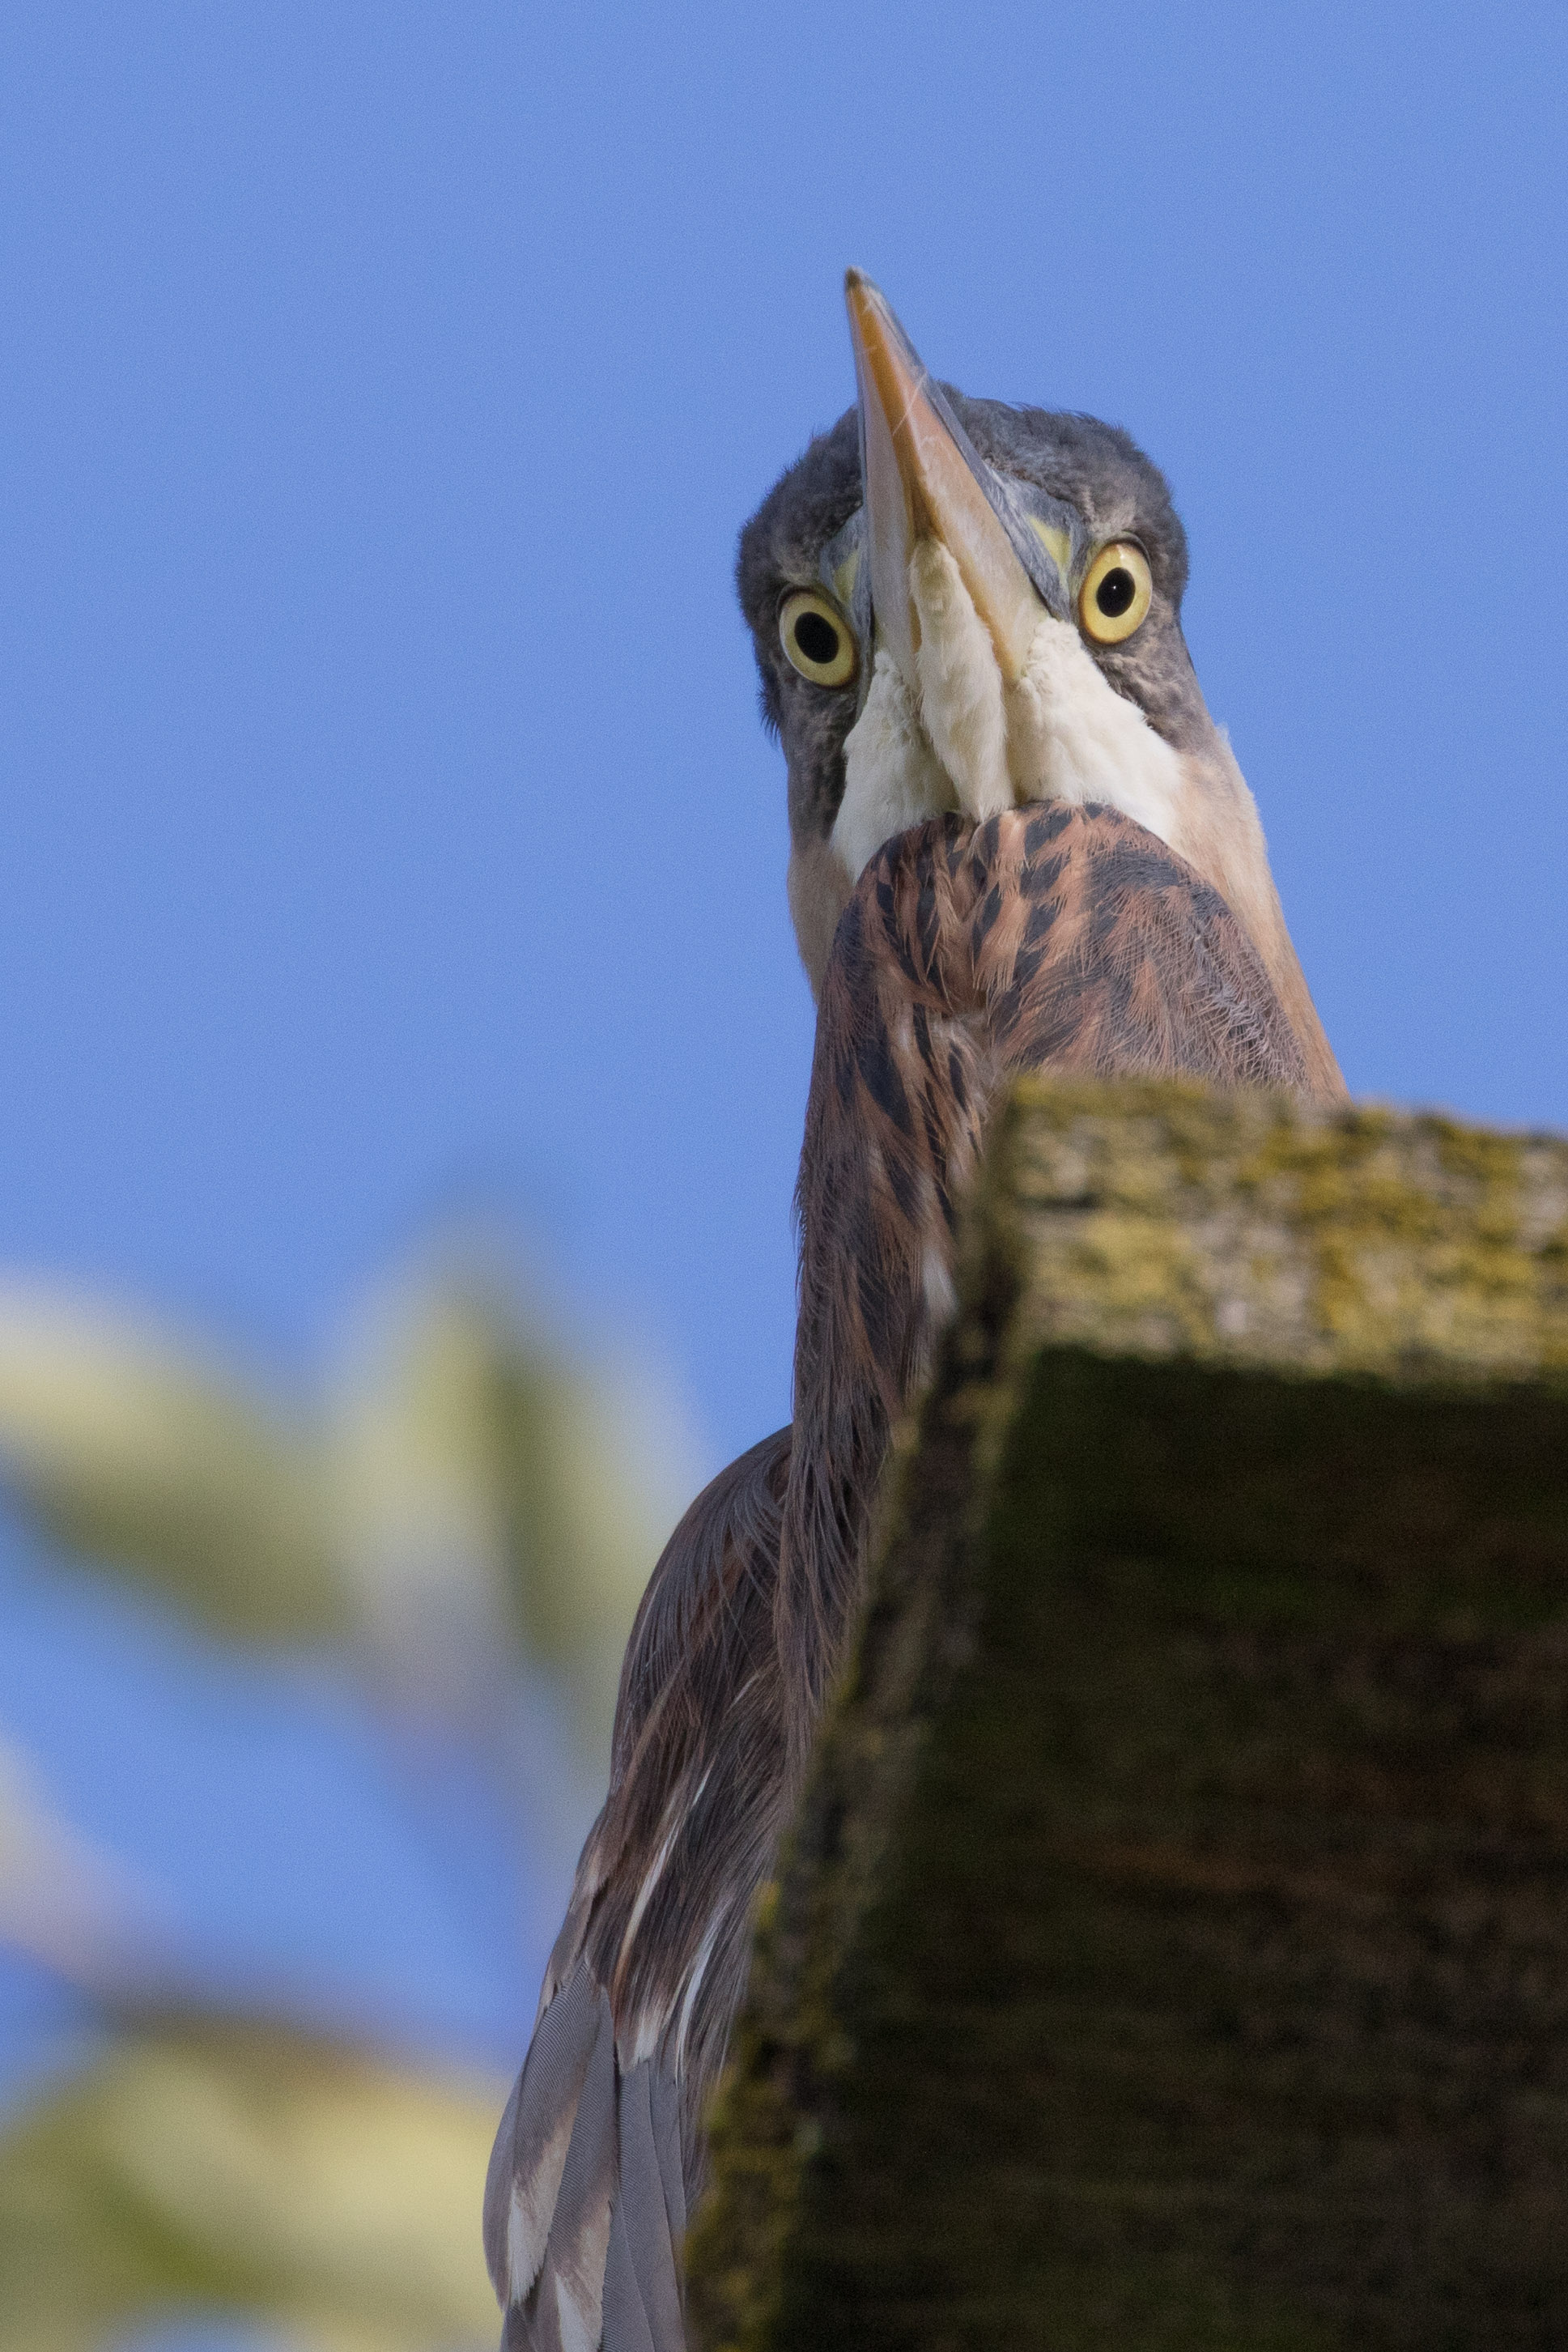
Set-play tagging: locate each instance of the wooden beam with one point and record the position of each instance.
(1172, 1948)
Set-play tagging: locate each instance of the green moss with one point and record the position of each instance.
(1158, 1218)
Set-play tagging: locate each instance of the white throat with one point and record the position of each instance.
(892, 778)
(1062, 732)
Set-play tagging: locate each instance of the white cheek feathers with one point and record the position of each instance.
(892, 778)
(1071, 737)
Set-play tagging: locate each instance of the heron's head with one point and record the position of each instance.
(958, 605)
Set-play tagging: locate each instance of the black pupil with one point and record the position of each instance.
(818, 639)
(1116, 592)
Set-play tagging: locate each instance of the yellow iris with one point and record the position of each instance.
(817, 638)
(1117, 589)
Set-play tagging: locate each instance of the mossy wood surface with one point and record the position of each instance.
(1172, 1950)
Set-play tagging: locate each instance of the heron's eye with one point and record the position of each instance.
(1114, 598)
(817, 638)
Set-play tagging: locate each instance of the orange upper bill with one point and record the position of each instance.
(920, 484)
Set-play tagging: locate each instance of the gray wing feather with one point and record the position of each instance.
(665, 2110)
(498, 2196)
(529, 2156)
(566, 2307)
(585, 2207)
(642, 2213)
(593, 2168)
(626, 2323)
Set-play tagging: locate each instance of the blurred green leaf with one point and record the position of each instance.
(249, 2170)
(573, 1479)
(460, 1497)
(136, 1450)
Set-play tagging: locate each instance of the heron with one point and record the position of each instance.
(1017, 842)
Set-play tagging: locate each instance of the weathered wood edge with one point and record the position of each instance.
(1159, 1219)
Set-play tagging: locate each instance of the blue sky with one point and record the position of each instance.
(388, 830)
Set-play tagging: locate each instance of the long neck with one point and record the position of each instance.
(900, 1082)
(1048, 938)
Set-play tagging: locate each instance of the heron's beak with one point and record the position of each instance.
(922, 481)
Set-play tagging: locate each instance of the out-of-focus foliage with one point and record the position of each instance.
(227, 2164)
(233, 2167)
(134, 1450)
(463, 1515)
(481, 1491)
(457, 1495)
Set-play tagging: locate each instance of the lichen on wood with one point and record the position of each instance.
(1172, 1948)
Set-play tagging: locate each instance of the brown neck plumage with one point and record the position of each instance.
(1050, 938)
